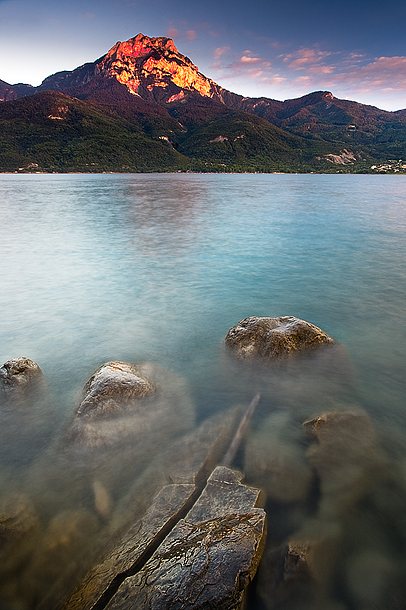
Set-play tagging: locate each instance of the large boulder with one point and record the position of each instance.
(129, 415)
(294, 365)
(274, 338)
(110, 389)
(129, 402)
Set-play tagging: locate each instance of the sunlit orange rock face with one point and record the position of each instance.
(147, 63)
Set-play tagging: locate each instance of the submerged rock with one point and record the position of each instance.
(19, 376)
(349, 465)
(274, 459)
(187, 461)
(19, 526)
(274, 338)
(67, 542)
(284, 578)
(347, 458)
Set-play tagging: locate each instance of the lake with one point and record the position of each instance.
(157, 268)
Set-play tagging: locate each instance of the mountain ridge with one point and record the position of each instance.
(147, 83)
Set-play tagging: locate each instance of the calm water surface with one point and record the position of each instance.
(157, 268)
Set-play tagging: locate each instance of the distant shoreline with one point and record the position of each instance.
(342, 173)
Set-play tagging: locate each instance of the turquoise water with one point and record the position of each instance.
(158, 268)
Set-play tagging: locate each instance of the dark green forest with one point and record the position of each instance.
(53, 132)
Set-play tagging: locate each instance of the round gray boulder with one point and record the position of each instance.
(274, 338)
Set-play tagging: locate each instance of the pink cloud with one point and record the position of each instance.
(190, 35)
(246, 63)
(220, 51)
(352, 71)
(276, 79)
(172, 32)
(347, 75)
(245, 59)
(382, 72)
(321, 69)
(185, 31)
(270, 42)
(357, 56)
(302, 58)
(247, 66)
(388, 64)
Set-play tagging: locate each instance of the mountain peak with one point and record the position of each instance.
(144, 64)
(140, 47)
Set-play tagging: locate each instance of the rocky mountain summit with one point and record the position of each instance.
(162, 95)
(150, 68)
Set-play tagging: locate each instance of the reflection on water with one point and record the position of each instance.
(156, 269)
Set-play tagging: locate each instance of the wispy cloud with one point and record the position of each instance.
(220, 51)
(185, 31)
(247, 64)
(350, 74)
(190, 35)
(353, 71)
(271, 42)
(305, 57)
(181, 35)
(383, 74)
(172, 32)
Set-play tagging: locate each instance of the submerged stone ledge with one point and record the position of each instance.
(207, 559)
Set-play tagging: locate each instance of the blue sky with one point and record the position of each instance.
(356, 49)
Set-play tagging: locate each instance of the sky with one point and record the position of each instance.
(355, 49)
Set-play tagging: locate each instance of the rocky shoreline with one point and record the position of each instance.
(149, 507)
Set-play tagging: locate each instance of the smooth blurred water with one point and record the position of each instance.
(159, 267)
